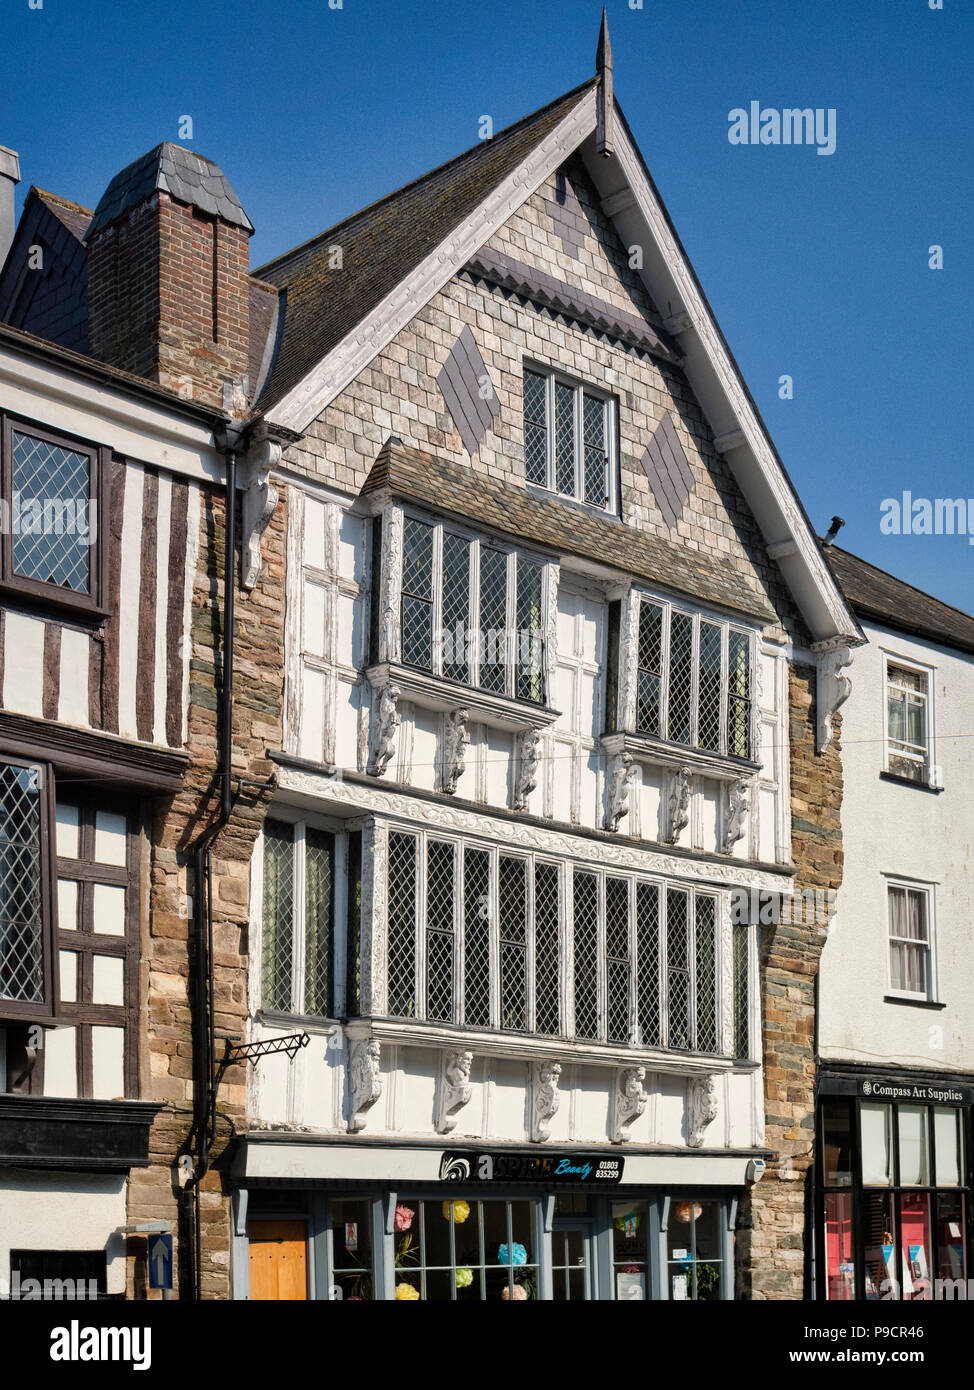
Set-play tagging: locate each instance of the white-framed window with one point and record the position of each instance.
(570, 438)
(911, 940)
(909, 720)
(490, 938)
(694, 681)
(472, 610)
(297, 919)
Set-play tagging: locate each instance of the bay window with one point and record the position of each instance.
(471, 611)
(694, 681)
(486, 938)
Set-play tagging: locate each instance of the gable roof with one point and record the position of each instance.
(384, 243)
(452, 488)
(891, 602)
(52, 302)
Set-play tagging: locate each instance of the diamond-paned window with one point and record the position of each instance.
(569, 439)
(472, 612)
(53, 548)
(297, 929)
(21, 901)
(694, 683)
(644, 956)
(742, 989)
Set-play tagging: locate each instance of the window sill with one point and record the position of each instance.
(915, 1001)
(647, 749)
(547, 494)
(488, 1042)
(62, 608)
(909, 782)
(437, 693)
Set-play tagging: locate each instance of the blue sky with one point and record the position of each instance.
(816, 266)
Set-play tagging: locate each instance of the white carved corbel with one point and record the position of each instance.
(455, 741)
(735, 812)
(527, 768)
(260, 498)
(630, 1101)
(701, 1107)
(387, 721)
(679, 805)
(832, 687)
(453, 1090)
(364, 1081)
(621, 772)
(544, 1098)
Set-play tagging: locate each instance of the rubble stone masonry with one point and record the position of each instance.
(772, 1224)
(166, 1061)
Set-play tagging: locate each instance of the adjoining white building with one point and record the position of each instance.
(895, 1040)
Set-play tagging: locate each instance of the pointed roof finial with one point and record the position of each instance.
(604, 96)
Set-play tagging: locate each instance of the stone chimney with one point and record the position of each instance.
(9, 179)
(168, 259)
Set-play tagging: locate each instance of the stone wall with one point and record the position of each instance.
(772, 1225)
(166, 1062)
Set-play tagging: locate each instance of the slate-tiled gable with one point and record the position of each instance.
(382, 244)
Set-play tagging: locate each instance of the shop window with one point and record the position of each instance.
(694, 680)
(569, 443)
(879, 1249)
(836, 1132)
(630, 1262)
(693, 1251)
(59, 1275)
(353, 1267)
(877, 1151)
(915, 1252)
(910, 941)
(839, 1257)
(948, 1133)
(460, 1251)
(951, 1224)
(472, 612)
(914, 1146)
(296, 926)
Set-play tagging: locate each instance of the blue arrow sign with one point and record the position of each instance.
(160, 1262)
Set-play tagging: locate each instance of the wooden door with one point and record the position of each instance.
(278, 1260)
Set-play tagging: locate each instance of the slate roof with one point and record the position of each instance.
(384, 243)
(892, 602)
(410, 473)
(76, 218)
(186, 176)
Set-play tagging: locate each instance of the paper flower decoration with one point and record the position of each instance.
(518, 1255)
(464, 1278)
(403, 1218)
(518, 1294)
(461, 1210)
(405, 1293)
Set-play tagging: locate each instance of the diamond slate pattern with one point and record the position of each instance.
(567, 215)
(460, 381)
(670, 475)
(185, 176)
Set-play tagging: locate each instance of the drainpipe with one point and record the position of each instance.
(204, 1043)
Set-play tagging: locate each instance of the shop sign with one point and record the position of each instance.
(912, 1091)
(506, 1167)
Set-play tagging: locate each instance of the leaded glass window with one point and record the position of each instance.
(693, 680)
(297, 928)
(568, 439)
(21, 896)
(472, 612)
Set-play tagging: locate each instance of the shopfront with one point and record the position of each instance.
(894, 1187)
(493, 1226)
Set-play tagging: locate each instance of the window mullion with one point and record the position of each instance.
(436, 616)
(664, 695)
(420, 935)
(459, 939)
(298, 915)
(724, 686)
(550, 432)
(475, 647)
(529, 946)
(495, 945)
(578, 424)
(568, 943)
(510, 636)
(663, 905)
(633, 1023)
(695, 683)
(601, 967)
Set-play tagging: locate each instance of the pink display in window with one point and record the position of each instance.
(840, 1269)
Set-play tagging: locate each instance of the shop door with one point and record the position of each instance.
(278, 1260)
(572, 1265)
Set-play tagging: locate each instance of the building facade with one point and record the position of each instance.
(896, 1080)
(507, 695)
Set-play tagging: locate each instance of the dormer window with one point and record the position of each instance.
(569, 439)
(693, 679)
